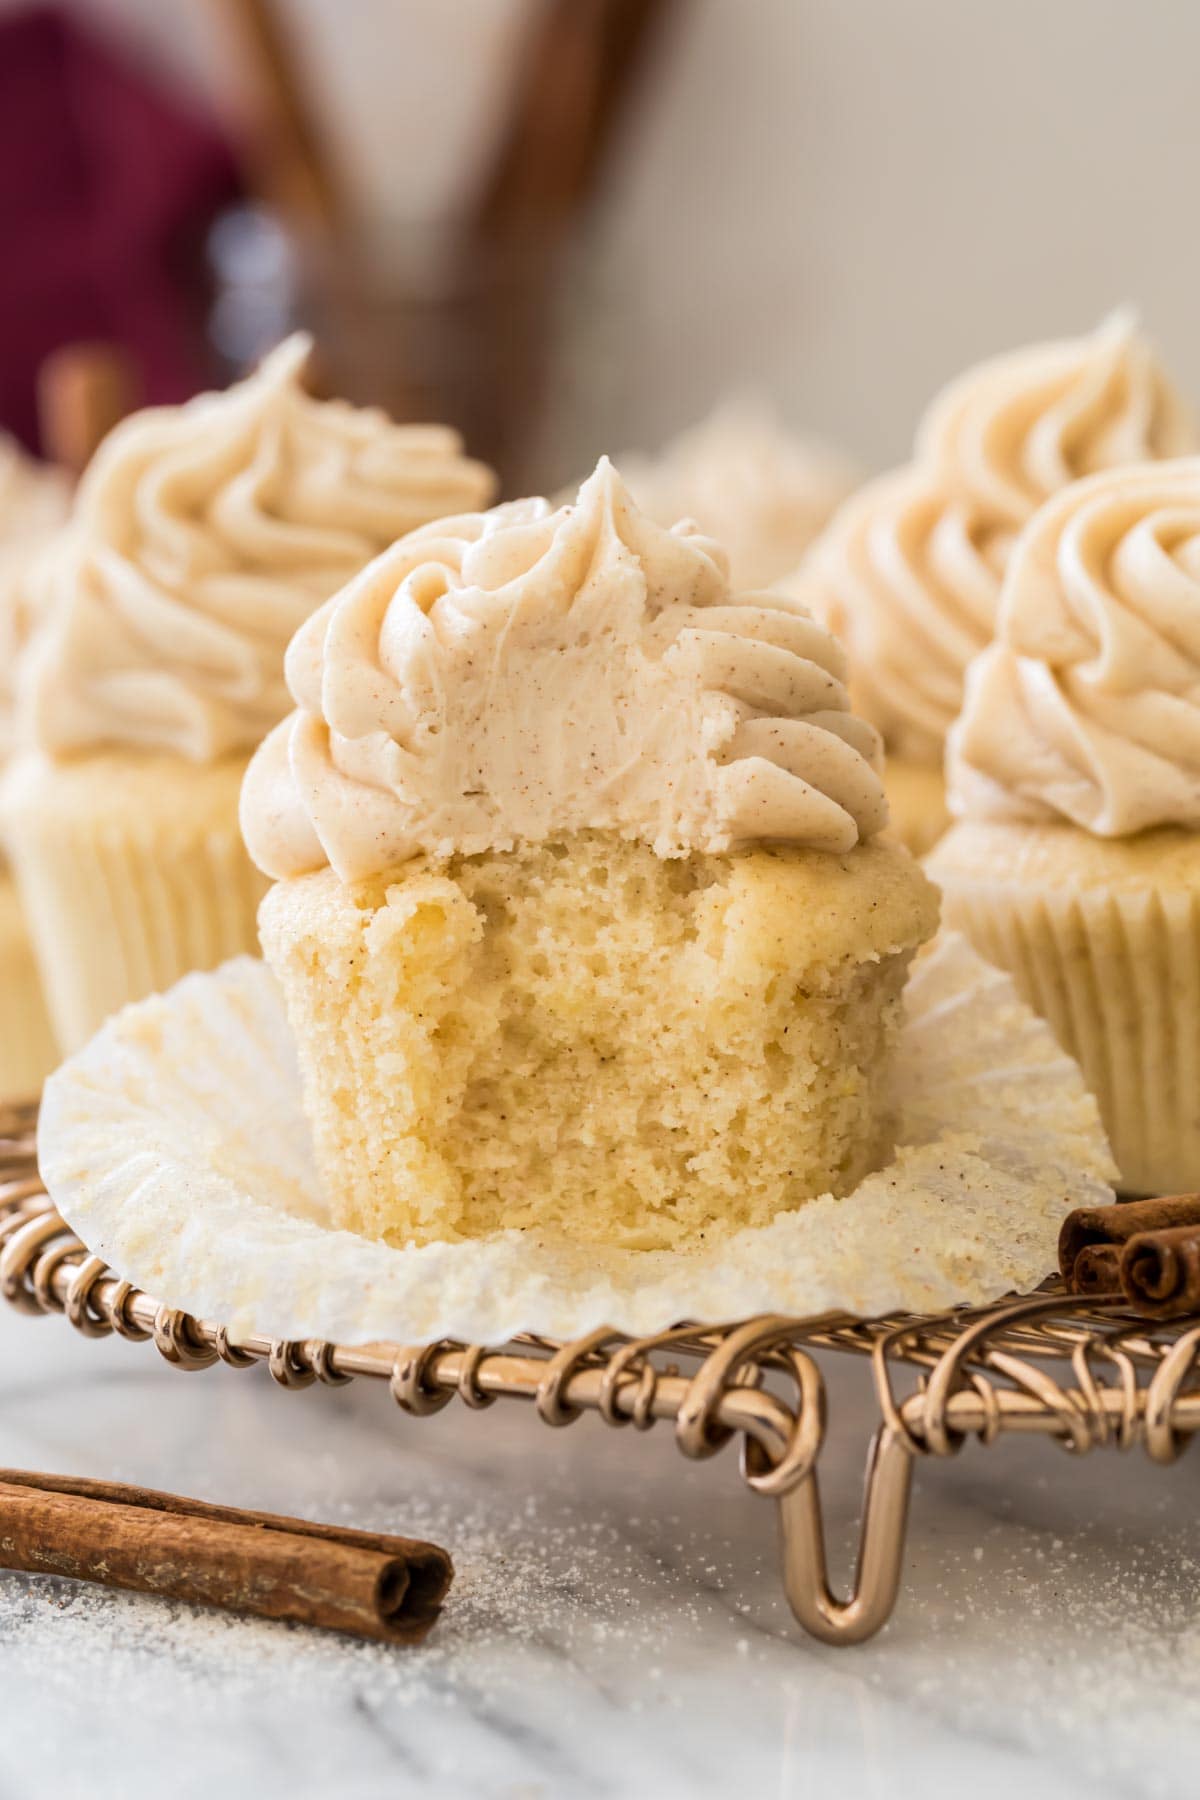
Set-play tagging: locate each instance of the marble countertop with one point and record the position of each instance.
(617, 1626)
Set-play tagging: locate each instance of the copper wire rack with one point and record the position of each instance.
(1082, 1375)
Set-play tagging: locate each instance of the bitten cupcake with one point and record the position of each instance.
(1075, 770)
(201, 538)
(33, 504)
(745, 479)
(909, 572)
(581, 916)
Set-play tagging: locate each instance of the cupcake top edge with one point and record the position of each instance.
(201, 537)
(528, 672)
(910, 568)
(1087, 706)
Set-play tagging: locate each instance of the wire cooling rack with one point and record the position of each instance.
(1084, 1376)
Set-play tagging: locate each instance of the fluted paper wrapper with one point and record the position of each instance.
(132, 873)
(1117, 977)
(176, 1146)
(27, 1048)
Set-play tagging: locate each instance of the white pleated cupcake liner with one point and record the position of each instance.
(28, 1051)
(122, 906)
(1117, 976)
(176, 1145)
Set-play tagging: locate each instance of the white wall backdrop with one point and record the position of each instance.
(850, 199)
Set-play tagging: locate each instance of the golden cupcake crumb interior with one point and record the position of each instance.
(582, 1037)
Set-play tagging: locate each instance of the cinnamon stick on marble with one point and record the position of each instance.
(365, 1583)
(1160, 1272)
(1090, 1226)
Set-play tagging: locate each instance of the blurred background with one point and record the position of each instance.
(570, 225)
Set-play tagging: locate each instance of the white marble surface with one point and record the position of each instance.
(616, 1627)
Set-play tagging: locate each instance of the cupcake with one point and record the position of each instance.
(202, 536)
(581, 914)
(33, 504)
(747, 481)
(1075, 774)
(909, 572)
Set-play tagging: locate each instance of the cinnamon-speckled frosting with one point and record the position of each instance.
(909, 572)
(202, 537)
(523, 673)
(1087, 706)
(34, 498)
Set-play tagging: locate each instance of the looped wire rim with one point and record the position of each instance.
(1083, 1374)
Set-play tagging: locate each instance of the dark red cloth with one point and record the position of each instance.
(108, 185)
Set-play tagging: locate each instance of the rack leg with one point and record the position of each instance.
(880, 1553)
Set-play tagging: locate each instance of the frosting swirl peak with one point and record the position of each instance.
(1087, 706)
(909, 572)
(202, 536)
(1010, 433)
(526, 672)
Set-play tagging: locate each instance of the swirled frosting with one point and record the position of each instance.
(909, 572)
(1087, 706)
(758, 489)
(910, 583)
(202, 537)
(34, 499)
(526, 672)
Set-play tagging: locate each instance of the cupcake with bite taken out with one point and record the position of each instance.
(202, 536)
(581, 913)
(1075, 777)
(909, 573)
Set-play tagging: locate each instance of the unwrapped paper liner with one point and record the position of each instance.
(175, 1144)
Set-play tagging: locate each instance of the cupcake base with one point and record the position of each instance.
(585, 1039)
(132, 872)
(27, 1048)
(177, 1143)
(916, 793)
(1102, 938)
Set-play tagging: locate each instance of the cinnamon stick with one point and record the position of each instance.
(362, 1582)
(1097, 1270)
(1089, 1225)
(1160, 1272)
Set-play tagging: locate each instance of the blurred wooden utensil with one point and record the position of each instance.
(286, 160)
(83, 391)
